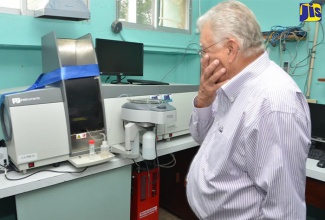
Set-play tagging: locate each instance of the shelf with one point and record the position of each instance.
(163, 49)
(18, 47)
(292, 36)
(169, 49)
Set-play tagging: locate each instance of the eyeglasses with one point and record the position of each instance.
(202, 51)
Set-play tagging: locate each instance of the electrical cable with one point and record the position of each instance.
(136, 163)
(180, 61)
(93, 137)
(53, 171)
(121, 36)
(3, 167)
(317, 43)
(296, 54)
(156, 140)
(307, 58)
(115, 81)
(279, 33)
(167, 165)
(107, 79)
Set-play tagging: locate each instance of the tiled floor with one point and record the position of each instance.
(165, 215)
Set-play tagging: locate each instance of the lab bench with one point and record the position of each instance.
(100, 192)
(103, 191)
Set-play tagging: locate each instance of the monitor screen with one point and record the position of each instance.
(317, 116)
(120, 58)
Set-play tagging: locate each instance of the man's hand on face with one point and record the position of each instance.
(211, 81)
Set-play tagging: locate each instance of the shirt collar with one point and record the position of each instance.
(238, 82)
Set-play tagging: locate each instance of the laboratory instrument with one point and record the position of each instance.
(143, 115)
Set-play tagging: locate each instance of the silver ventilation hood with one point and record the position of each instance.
(64, 9)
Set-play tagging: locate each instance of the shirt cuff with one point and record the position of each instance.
(204, 113)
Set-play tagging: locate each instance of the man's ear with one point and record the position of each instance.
(233, 48)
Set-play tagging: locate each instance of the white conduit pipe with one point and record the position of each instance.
(312, 60)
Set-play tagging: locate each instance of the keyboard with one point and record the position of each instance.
(145, 82)
(317, 150)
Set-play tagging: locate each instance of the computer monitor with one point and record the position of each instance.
(119, 58)
(317, 116)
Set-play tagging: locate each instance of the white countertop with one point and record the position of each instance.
(45, 179)
(313, 171)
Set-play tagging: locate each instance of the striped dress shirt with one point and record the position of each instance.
(254, 140)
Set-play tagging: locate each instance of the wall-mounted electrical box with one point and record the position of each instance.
(63, 9)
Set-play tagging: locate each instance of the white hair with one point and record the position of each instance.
(234, 19)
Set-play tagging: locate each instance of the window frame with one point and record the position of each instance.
(155, 26)
(7, 10)
(23, 10)
(14, 11)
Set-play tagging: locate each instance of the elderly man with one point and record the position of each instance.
(252, 122)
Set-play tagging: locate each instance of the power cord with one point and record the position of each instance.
(53, 171)
(107, 79)
(3, 167)
(169, 164)
(180, 61)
